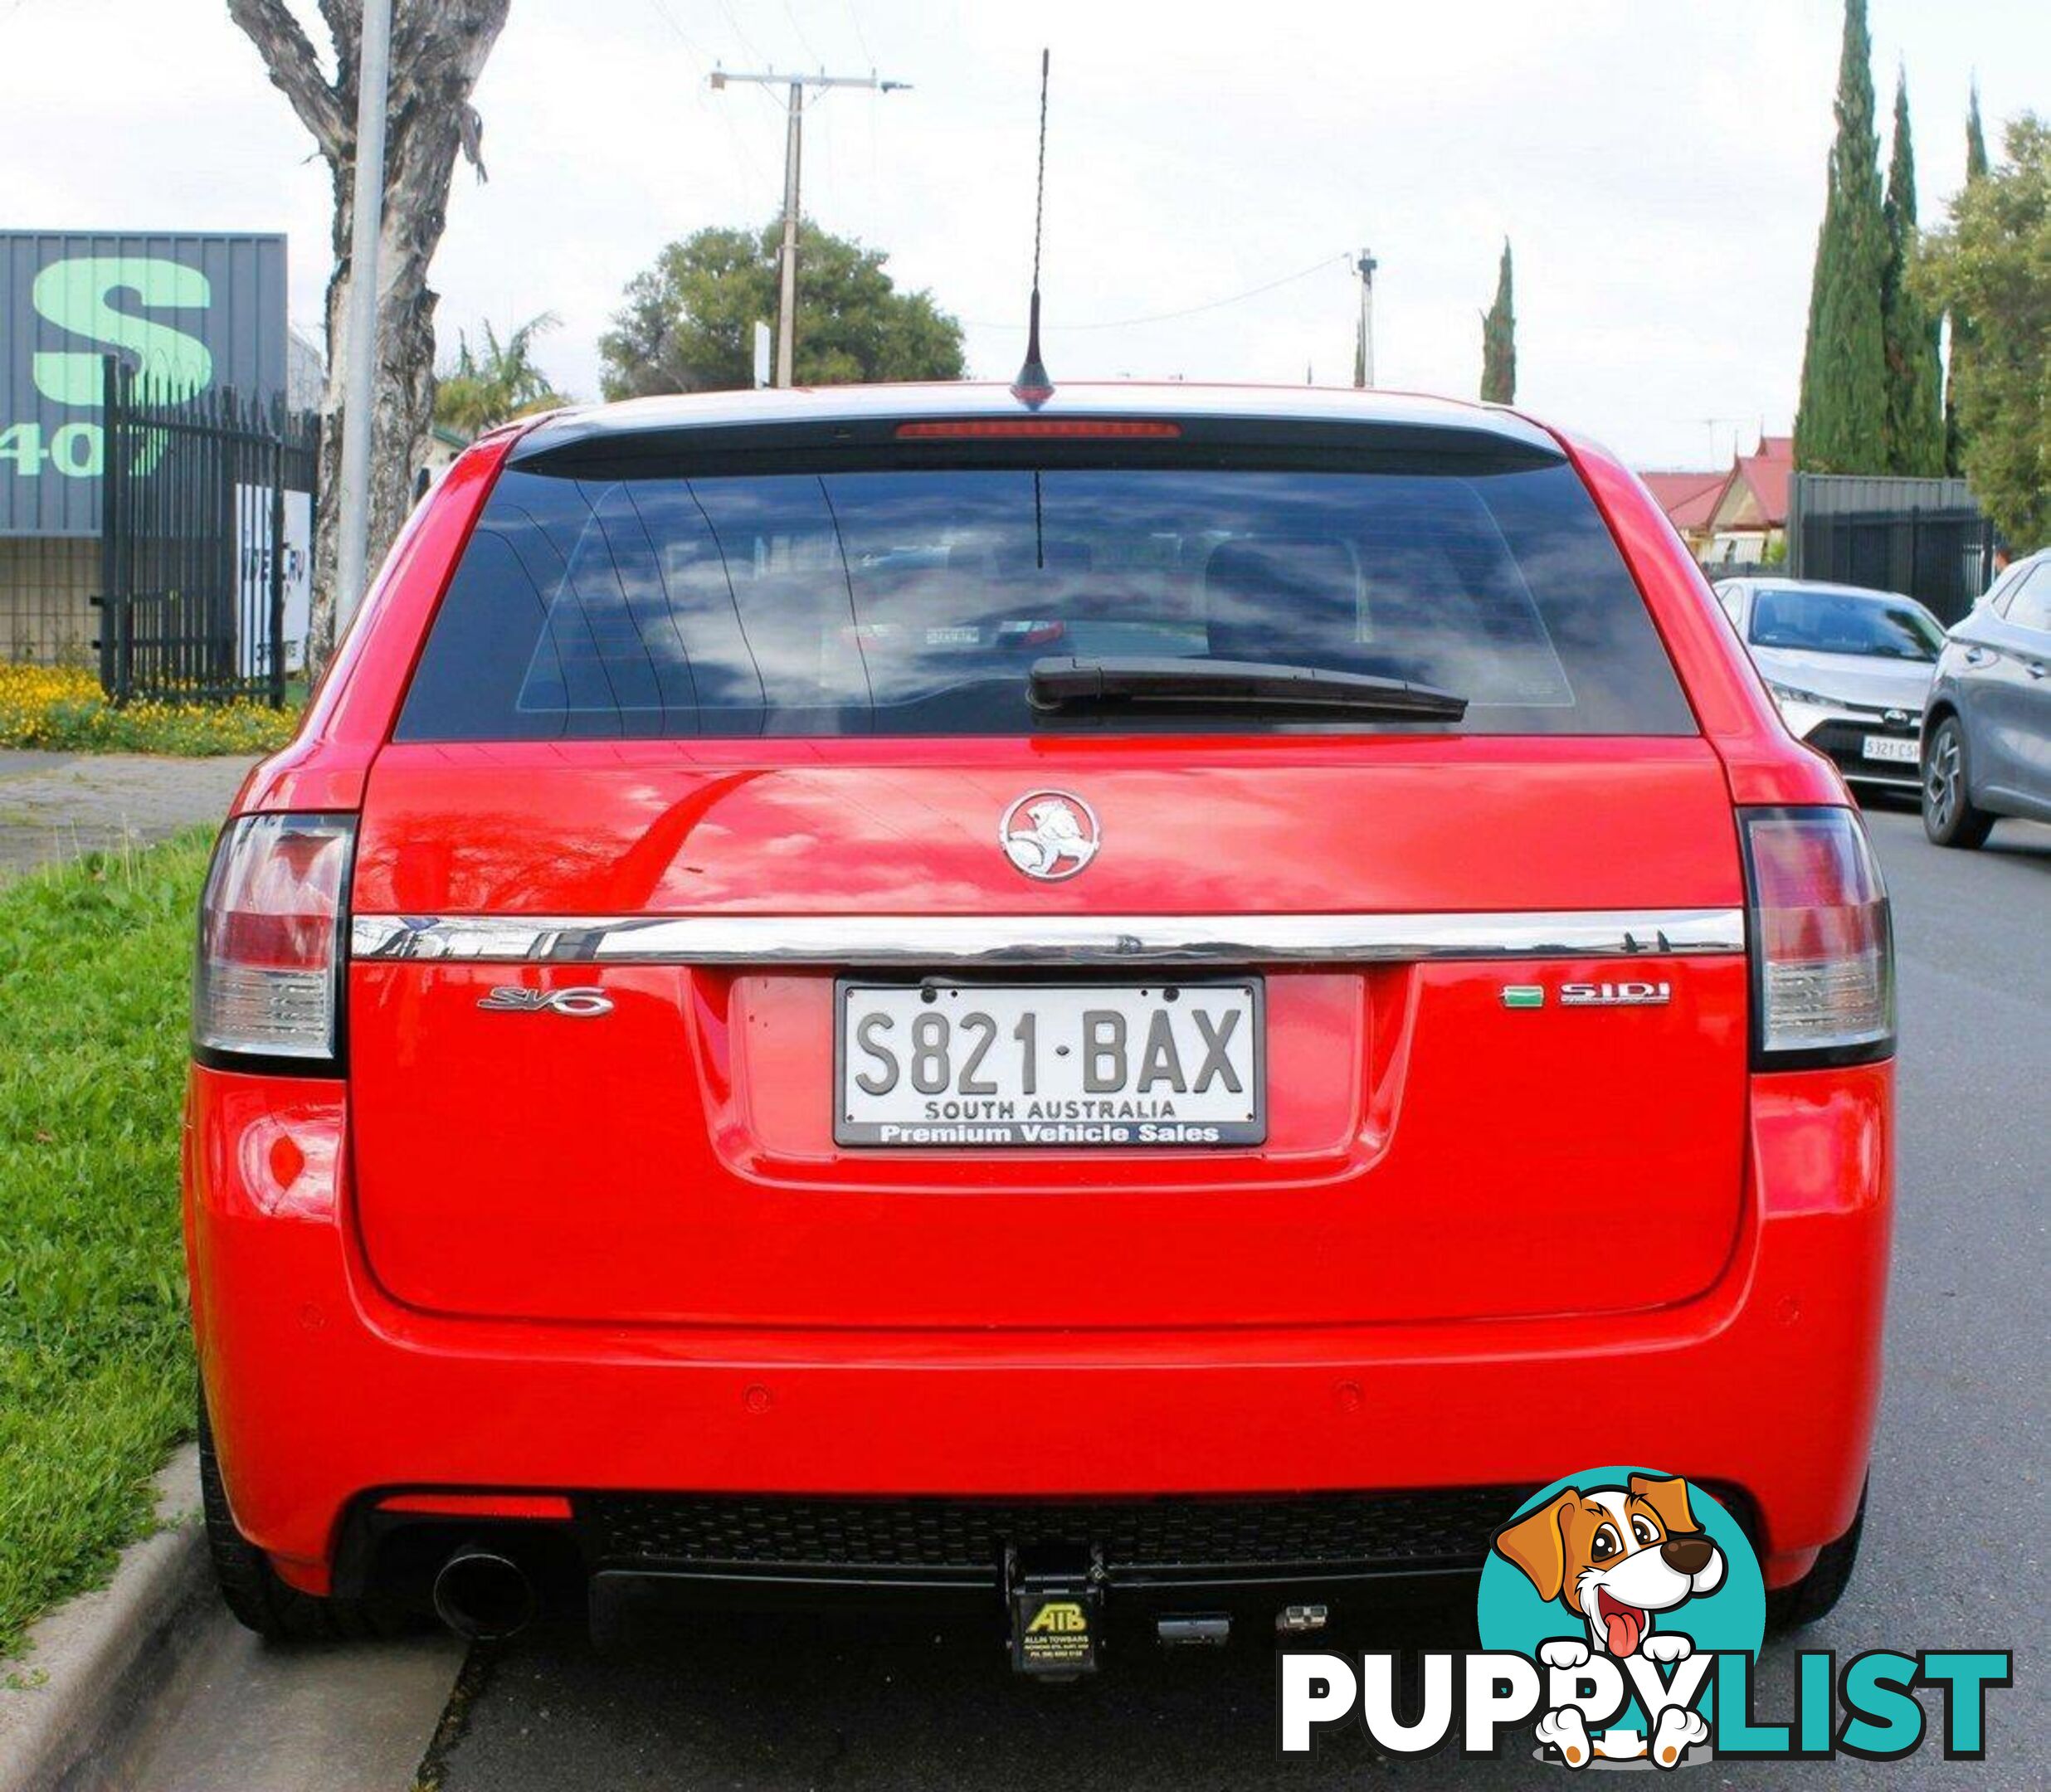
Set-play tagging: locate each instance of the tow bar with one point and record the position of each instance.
(1056, 1597)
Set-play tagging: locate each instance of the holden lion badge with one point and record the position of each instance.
(1050, 834)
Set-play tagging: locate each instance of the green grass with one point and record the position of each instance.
(95, 1360)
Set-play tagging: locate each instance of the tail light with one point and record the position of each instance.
(1822, 941)
(267, 985)
(1031, 634)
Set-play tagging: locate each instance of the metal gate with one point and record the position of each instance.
(205, 538)
(1924, 537)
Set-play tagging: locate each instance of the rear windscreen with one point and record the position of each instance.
(916, 602)
(1806, 620)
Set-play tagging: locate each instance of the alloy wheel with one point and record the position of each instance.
(1943, 794)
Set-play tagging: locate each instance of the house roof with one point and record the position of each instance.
(1756, 495)
(1750, 494)
(1767, 472)
(1688, 496)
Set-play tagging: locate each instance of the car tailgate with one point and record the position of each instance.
(1435, 1146)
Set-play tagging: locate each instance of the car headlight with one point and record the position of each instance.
(1788, 694)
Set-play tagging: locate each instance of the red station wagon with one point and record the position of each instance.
(1167, 997)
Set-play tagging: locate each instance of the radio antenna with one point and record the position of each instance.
(1033, 386)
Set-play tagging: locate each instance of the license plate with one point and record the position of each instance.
(1053, 1066)
(1894, 752)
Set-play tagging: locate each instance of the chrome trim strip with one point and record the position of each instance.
(939, 940)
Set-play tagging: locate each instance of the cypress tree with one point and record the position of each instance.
(1975, 139)
(1964, 339)
(1498, 340)
(1841, 423)
(1916, 437)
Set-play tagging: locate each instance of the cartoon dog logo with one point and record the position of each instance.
(1050, 834)
(1621, 1560)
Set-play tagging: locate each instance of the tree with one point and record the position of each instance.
(689, 321)
(1993, 263)
(1840, 423)
(1915, 374)
(482, 390)
(1975, 139)
(438, 48)
(1498, 340)
(1961, 351)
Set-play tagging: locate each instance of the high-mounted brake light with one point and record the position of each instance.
(269, 980)
(1068, 427)
(1822, 940)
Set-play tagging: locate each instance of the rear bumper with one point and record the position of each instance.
(751, 1550)
(326, 1394)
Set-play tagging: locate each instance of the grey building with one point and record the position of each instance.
(192, 313)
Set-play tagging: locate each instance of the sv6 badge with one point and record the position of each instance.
(582, 1003)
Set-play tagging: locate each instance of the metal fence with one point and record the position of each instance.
(205, 528)
(47, 584)
(1716, 571)
(1924, 537)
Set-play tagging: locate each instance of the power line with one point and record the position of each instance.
(727, 12)
(861, 37)
(805, 42)
(1317, 267)
(669, 18)
(706, 63)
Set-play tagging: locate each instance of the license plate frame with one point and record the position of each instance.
(1140, 1132)
(1891, 749)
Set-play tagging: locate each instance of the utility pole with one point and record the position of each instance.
(359, 403)
(1364, 347)
(793, 146)
(787, 263)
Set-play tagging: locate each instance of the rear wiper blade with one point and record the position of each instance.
(1167, 682)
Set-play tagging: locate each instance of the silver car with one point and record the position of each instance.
(1849, 667)
(1987, 730)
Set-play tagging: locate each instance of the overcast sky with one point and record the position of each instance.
(1658, 165)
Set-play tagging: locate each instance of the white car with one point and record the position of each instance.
(1849, 667)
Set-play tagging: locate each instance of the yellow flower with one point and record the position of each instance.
(63, 707)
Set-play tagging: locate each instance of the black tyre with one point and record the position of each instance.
(1816, 1594)
(251, 1590)
(1950, 818)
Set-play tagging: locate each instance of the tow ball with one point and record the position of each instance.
(1056, 1599)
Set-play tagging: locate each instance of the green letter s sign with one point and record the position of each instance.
(73, 294)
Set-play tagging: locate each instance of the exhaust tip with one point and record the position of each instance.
(483, 1596)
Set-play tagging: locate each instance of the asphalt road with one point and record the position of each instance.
(55, 806)
(1955, 1551)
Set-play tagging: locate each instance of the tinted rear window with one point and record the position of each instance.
(892, 601)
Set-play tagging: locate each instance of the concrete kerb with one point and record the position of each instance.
(93, 1664)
